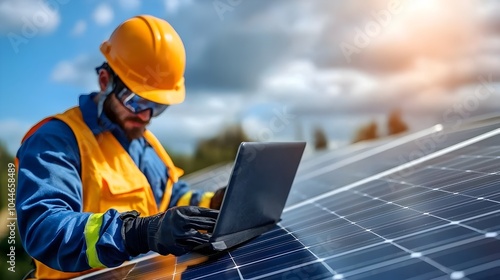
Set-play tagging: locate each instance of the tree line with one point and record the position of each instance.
(222, 148)
(370, 131)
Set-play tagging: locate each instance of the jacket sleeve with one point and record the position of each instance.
(182, 195)
(52, 226)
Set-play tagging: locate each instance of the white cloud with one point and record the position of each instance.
(173, 6)
(12, 133)
(341, 100)
(296, 76)
(79, 28)
(130, 4)
(29, 17)
(300, 84)
(77, 72)
(430, 85)
(103, 14)
(255, 126)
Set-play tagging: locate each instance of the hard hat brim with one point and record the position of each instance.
(161, 96)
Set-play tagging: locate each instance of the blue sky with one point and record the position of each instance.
(280, 68)
(29, 65)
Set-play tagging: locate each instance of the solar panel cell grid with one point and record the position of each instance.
(402, 268)
(366, 208)
(489, 223)
(437, 219)
(346, 171)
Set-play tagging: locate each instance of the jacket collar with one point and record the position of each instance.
(102, 123)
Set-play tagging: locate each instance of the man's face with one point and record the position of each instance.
(133, 124)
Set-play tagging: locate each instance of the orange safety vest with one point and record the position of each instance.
(110, 178)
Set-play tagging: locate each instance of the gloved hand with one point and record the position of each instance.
(174, 231)
(216, 201)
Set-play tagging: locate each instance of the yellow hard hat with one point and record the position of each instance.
(148, 55)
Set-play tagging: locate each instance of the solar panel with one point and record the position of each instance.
(346, 171)
(204, 174)
(434, 217)
(333, 169)
(212, 177)
(422, 221)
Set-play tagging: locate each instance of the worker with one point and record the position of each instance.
(95, 187)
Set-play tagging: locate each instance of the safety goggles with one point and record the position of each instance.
(137, 104)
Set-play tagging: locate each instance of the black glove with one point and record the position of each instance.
(216, 201)
(174, 231)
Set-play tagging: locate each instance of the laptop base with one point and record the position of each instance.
(228, 241)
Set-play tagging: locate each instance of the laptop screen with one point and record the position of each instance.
(259, 185)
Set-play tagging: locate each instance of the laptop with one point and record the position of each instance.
(256, 194)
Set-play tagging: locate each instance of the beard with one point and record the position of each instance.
(112, 108)
(133, 132)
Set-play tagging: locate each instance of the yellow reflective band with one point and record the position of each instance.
(206, 199)
(91, 237)
(185, 199)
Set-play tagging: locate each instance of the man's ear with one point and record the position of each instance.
(104, 79)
